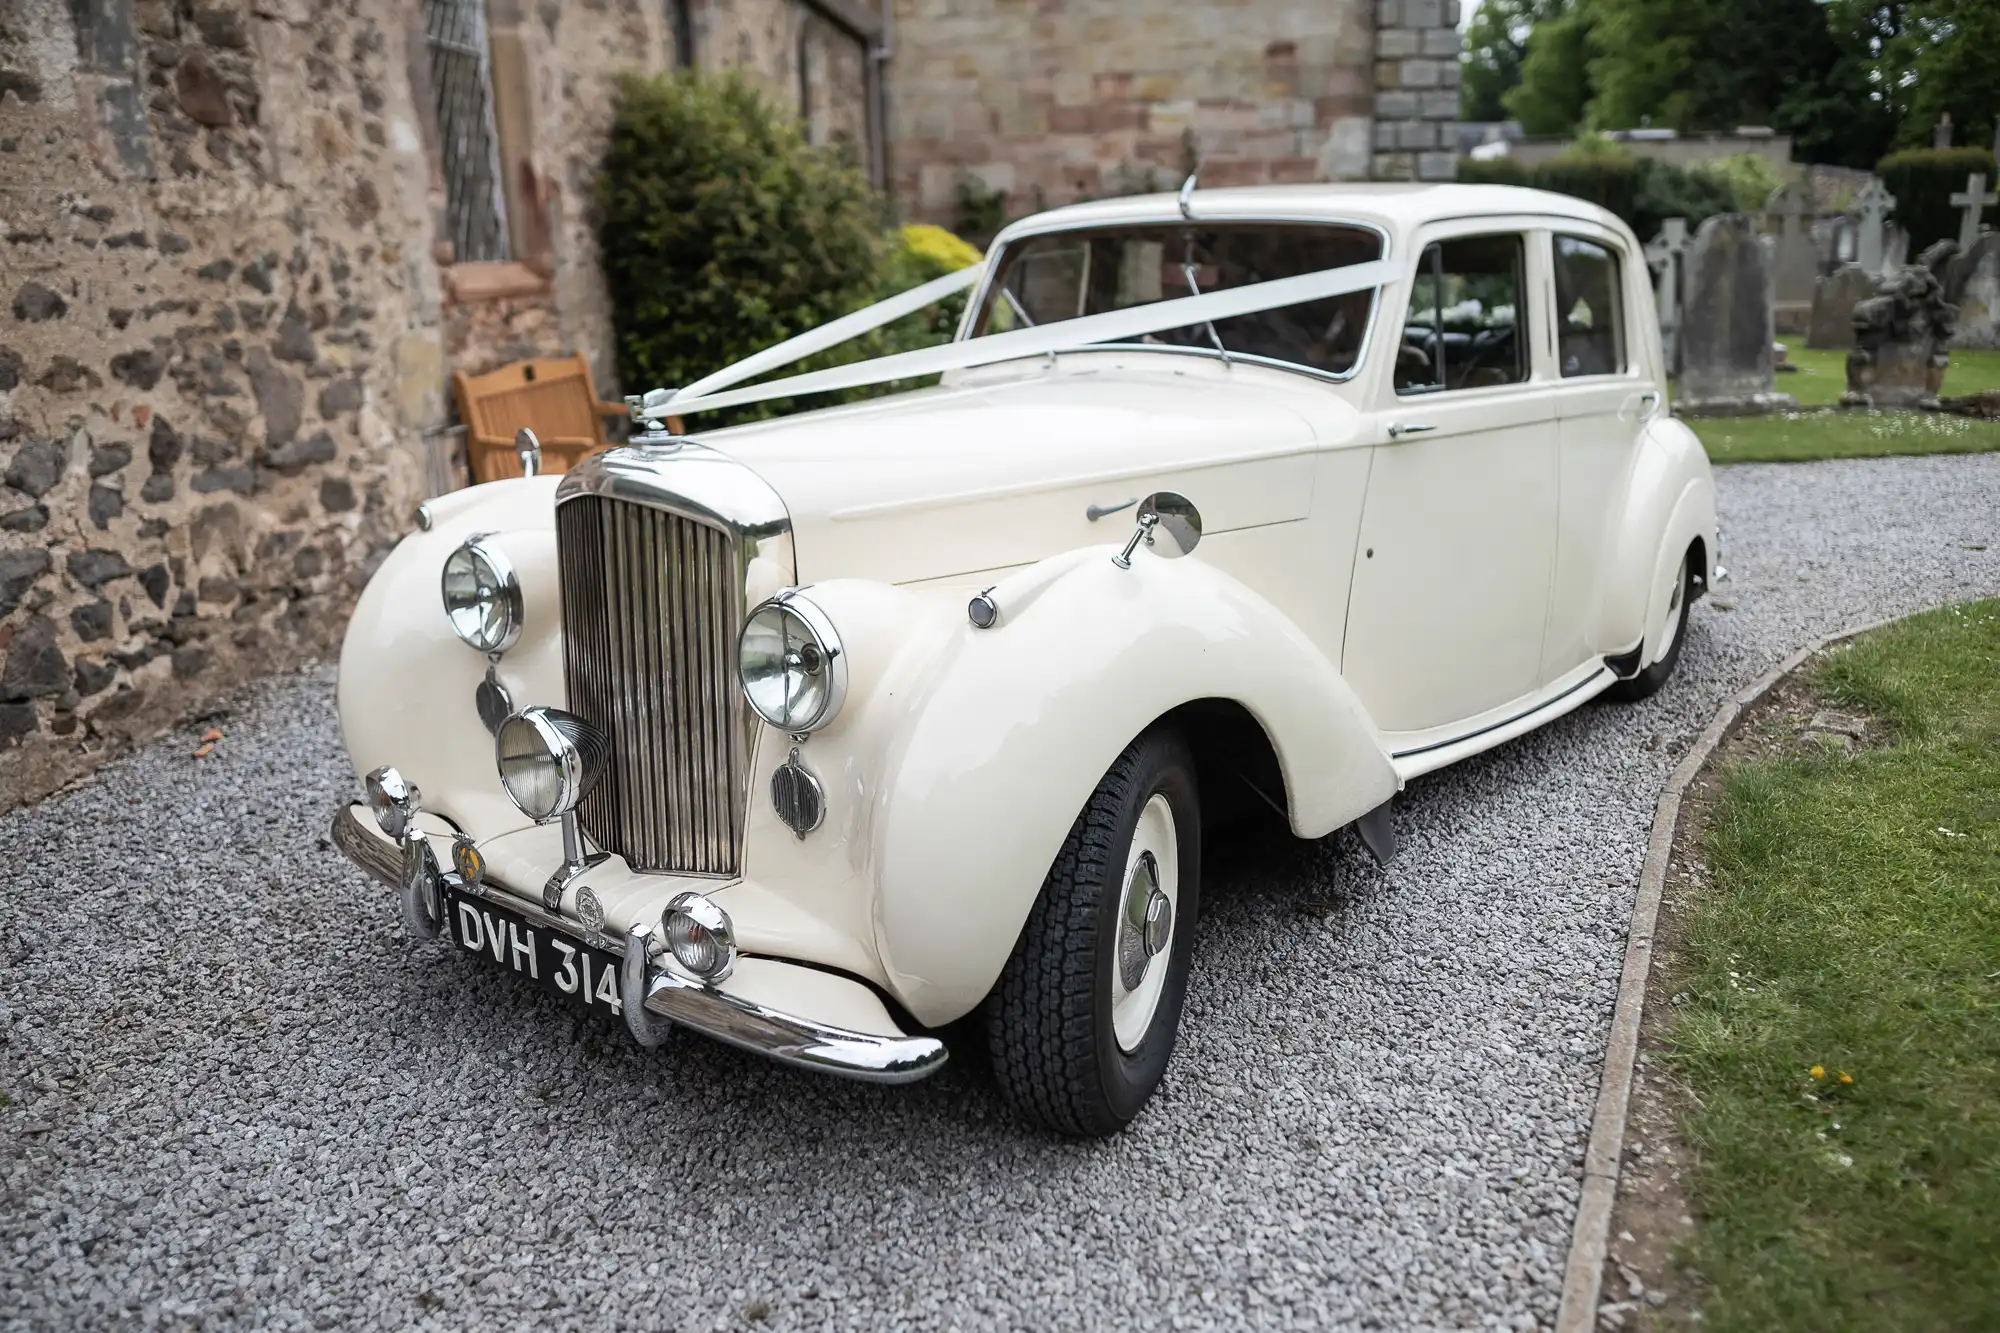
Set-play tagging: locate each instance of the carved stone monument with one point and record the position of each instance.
(1726, 326)
(1901, 335)
(1794, 260)
(1833, 306)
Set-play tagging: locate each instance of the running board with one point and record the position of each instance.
(1428, 758)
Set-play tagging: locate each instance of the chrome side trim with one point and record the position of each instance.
(369, 853)
(1549, 702)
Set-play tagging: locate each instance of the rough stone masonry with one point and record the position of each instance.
(218, 327)
(225, 320)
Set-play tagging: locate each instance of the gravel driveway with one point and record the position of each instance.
(239, 1095)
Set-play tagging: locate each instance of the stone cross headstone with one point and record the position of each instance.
(1973, 201)
(1795, 263)
(1833, 306)
(1871, 209)
(1663, 256)
(1726, 326)
(1941, 133)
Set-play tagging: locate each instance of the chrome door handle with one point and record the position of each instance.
(1398, 429)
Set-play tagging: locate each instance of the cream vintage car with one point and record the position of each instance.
(818, 734)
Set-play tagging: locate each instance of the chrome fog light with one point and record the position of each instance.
(549, 761)
(699, 936)
(482, 596)
(793, 669)
(393, 800)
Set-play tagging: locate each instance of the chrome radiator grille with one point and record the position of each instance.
(652, 606)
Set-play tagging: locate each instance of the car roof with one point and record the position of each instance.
(1394, 207)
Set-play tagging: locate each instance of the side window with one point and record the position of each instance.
(1467, 326)
(1590, 309)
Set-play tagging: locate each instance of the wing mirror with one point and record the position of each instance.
(530, 450)
(1168, 523)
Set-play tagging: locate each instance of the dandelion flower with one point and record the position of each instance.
(1846, 1077)
(1817, 1071)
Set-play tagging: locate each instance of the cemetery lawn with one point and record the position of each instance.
(1801, 437)
(1837, 1009)
(1822, 375)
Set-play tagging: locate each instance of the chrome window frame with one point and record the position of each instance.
(993, 257)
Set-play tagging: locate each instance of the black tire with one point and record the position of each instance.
(1648, 682)
(1049, 1020)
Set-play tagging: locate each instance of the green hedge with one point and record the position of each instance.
(1923, 180)
(723, 231)
(1641, 190)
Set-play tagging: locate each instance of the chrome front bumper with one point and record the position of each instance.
(669, 997)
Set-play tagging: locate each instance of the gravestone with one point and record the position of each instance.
(1941, 132)
(1871, 222)
(1833, 306)
(1901, 337)
(1663, 257)
(1970, 203)
(1974, 287)
(1795, 264)
(1726, 333)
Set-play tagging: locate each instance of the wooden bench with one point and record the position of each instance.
(553, 397)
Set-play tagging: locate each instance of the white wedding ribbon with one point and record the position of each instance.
(1039, 340)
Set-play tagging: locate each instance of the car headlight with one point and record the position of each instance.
(549, 761)
(482, 596)
(793, 670)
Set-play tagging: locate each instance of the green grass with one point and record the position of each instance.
(1801, 437)
(1853, 925)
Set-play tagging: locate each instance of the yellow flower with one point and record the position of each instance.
(1817, 1071)
(1846, 1077)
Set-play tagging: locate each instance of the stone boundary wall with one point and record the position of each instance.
(1416, 90)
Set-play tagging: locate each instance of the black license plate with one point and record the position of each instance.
(559, 962)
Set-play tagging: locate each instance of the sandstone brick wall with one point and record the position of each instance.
(1416, 89)
(226, 323)
(1048, 101)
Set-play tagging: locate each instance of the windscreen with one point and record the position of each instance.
(1067, 275)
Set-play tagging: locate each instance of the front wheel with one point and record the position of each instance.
(1083, 1020)
(1673, 629)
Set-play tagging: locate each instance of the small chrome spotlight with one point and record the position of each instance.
(393, 800)
(699, 936)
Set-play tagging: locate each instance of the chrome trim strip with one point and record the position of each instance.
(1549, 702)
(369, 853)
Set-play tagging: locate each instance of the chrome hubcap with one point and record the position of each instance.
(1145, 922)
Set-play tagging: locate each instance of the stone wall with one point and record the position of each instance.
(1058, 100)
(227, 323)
(217, 329)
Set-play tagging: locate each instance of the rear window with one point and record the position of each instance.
(1066, 275)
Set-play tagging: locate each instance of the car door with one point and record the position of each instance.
(1604, 397)
(1458, 534)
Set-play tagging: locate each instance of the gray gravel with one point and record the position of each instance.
(240, 1096)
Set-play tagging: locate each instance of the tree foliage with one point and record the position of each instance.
(1848, 79)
